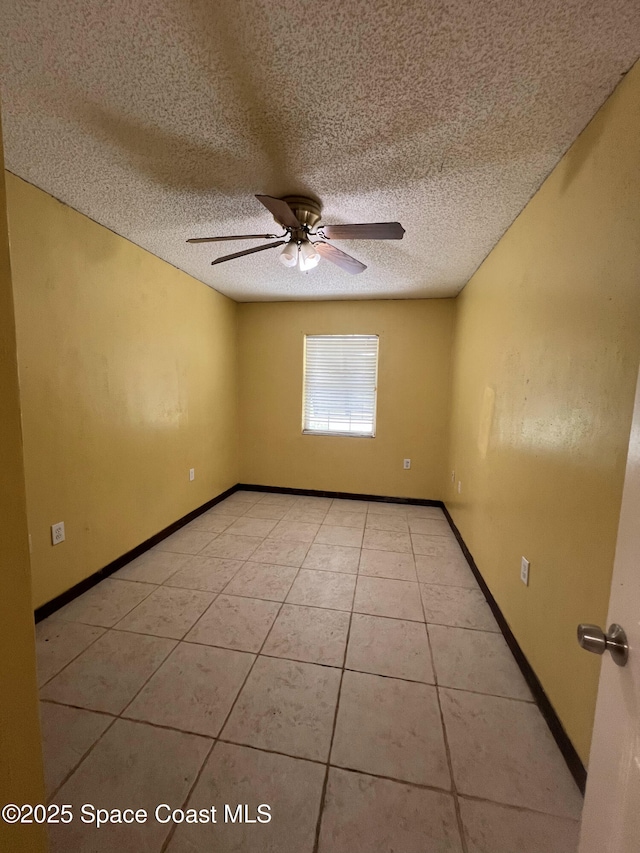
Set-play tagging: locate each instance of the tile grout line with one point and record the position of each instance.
(106, 628)
(124, 630)
(119, 716)
(119, 631)
(299, 568)
(174, 825)
(257, 655)
(226, 719)
(112, 627)
(116, 717)
(454, 790)
(417, 785)
(333, 728)
(215, 598)
(84, 755)
(222, 591)
(177, 640)
(519, 809)
(110, 578)
(273, 656)
(315, 606)
(81, 652)
(216, 595)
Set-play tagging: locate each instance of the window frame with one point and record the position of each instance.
(340, 433)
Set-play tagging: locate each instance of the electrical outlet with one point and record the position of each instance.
(524, 571)
(407, 464)
(57, 533)
(459, 487)
(192, 473)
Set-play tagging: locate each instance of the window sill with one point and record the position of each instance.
(340, 434)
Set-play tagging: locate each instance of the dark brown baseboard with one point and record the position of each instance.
(571, 757)
(77, 589)
(350, 496)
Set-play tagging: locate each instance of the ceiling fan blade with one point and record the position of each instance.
(238, 237)
(247, 252)
(337, 256)
(367, 231)
(280, 210)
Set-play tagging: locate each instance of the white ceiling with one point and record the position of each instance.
(161, 118)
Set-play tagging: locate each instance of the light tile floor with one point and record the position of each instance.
(333, 659)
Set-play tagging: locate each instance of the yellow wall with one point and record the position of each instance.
(128, 376)
(413, 397)
(550, 325)
(21, 779)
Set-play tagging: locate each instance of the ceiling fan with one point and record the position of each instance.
(298, 216)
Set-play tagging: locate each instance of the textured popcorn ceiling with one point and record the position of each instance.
(162, 119)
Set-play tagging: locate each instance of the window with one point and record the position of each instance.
(340, 378)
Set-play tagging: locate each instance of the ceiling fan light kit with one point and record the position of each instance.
(289, 255)
(299, 215)
(308, 258)
(301, 254)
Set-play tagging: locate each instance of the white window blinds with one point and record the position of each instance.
(340, 378)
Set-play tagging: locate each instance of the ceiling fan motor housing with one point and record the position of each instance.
(307, 210)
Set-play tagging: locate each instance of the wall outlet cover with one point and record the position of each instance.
(407, 464)
(192, 473)
(57, 533)
(524, 571)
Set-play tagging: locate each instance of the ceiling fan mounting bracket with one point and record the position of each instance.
(307, 210)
